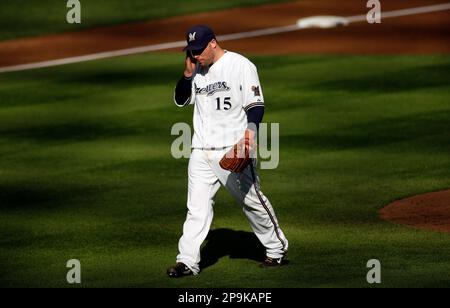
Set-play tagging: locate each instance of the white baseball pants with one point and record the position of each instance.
(205, 177)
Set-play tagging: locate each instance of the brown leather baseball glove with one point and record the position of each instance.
(238, 157)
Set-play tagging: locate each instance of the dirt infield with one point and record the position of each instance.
(415, 34)
(428, 211)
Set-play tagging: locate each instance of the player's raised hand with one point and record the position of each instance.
(189, 65)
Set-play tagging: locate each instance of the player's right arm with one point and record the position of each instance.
(183, 90)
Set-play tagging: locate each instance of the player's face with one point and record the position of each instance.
(204, 56)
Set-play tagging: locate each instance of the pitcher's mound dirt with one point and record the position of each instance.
(428, 211)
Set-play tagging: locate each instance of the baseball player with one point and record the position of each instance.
(228, 104)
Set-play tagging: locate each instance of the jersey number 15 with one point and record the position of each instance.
(226, 103)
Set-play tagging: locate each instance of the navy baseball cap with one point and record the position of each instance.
(198, 37)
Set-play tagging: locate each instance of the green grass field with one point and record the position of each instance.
(86, 173)
(19, 18)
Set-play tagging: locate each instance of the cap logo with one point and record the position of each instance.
(192, 36)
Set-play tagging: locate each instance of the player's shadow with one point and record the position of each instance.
(235, 244)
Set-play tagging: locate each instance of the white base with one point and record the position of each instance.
(322, 22)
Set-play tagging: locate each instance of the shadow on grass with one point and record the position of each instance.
(89, 130)
(410, 79)
(235, 244)
(133, 76)
(38, 197)
(422, 132)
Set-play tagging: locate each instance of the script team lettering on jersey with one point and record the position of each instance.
(213, 88)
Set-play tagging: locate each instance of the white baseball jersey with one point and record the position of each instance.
(222, 94)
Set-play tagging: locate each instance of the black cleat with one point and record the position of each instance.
(272, 262)
(179, 270)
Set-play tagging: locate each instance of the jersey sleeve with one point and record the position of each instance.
(194, 87)
(192, 98)
(184, 93)
(251, 88)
